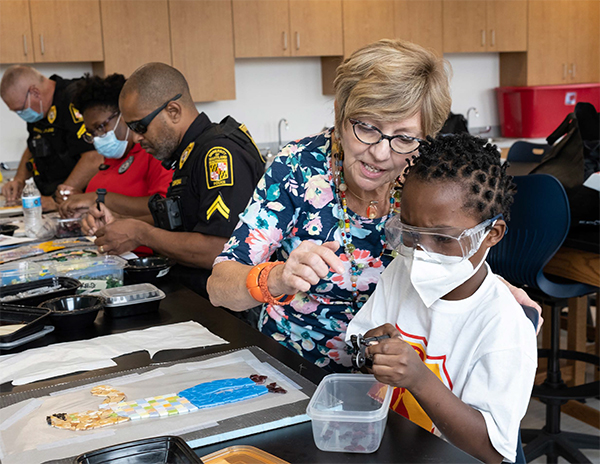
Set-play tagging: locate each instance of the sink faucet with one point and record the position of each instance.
(483, 131)
(285, 121)
(469, 114)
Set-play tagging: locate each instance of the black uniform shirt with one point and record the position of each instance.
(56, 141)
(214, 180)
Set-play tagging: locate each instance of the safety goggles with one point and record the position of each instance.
(437, 242)
(141, 125)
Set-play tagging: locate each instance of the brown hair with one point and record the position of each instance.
(392, 80)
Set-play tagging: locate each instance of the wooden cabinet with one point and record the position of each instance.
(273, 28)
(15, 32)
(563, 45)
(316, 27)
(66, 30)
(484, 25)
(506, 25)
(261, 28)
(584, 42)
(202, 47)
(134, 32)
(419, 21)
(366, 22)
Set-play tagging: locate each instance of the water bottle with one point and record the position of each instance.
(32, 208)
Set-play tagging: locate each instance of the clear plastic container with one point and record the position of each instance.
(349, 412)
(241, 454)
(131, 300)
(95, 274)
(67, 227)
(16, 273)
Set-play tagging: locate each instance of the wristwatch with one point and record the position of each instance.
(101, 194)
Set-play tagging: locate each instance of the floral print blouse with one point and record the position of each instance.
(296, 200)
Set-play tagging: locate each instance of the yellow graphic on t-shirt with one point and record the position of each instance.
(52, 114)
(403, 401)
(219, 168)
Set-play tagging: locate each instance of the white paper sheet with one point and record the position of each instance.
(97, 353)
(27, 438)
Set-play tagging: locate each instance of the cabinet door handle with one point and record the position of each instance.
(564, 71)
(42, 43)
(483, 37)
(25, 44)
(573, 69)
(284, 40)
(297, 40)
(493, 37)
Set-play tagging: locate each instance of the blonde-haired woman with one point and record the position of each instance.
(321, 207)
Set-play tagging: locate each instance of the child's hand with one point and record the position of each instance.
(395, 362)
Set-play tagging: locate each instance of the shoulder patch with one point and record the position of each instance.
(219, 168)
(186, 154)
(52, 114)
(75, 114)
(220, 206)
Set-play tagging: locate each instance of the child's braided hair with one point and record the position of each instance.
(473, 163)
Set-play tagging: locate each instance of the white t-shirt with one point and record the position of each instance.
(483, 348)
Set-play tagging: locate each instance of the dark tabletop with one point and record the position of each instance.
(402, 442)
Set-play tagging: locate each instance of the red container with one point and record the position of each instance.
(533, 112)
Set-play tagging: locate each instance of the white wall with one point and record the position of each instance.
(270, 89)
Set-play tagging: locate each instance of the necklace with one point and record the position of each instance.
(344, 224)
(371, 209)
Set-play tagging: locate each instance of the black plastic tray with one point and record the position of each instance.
(35, 318)
(158, 450)
(68, 286)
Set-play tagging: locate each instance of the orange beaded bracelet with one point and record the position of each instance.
(252, 282)
(256, 283)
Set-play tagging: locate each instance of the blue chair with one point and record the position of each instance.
(526, 152)
(540, 221)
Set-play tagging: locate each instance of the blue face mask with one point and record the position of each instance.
(109, 145)
(30, 115)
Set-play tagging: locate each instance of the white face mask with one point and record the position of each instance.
(433, 280)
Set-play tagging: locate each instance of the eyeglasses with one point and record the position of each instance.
(100, 130)
(25, 102)
(458, 243)
(370, 135)
(141, 125)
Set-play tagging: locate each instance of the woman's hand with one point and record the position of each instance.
(523, 299)
(395, 362)
(306, 266)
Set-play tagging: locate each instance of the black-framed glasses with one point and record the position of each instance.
(100, 130)
(25, 102)
(141, 125)
(371, 135)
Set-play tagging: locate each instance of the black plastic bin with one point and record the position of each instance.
(158, 450)
(34, 319)
(68, 286)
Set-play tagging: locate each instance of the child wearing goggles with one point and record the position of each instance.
(461, 350)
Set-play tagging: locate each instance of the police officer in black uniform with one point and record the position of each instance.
(216, 168)
(56, 154)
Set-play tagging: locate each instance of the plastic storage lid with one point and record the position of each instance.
(350, 397)
(78, 264)
(131, 294)
(241, 454)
